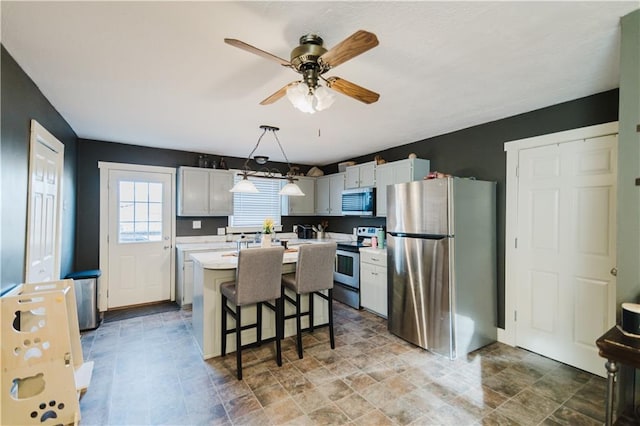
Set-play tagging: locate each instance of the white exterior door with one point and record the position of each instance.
(139, 237)
(566, 249)
(45, 189)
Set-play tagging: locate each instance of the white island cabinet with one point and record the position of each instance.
(373, 280)
(204, 192)
(212, 269)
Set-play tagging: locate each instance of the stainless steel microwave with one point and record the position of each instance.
(359, 202)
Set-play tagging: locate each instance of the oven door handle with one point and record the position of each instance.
(335, 263)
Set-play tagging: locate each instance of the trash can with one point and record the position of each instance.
(85, 284)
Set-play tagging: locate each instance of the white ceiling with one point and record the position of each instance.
(159, 74)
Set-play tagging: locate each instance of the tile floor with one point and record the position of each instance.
(148, 370)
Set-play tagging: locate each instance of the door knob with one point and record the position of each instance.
(614, 272)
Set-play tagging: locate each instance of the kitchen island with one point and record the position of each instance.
(214, 268)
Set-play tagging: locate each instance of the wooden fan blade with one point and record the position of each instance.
(359, 42)
(353, 90)
(279, 94)
(244, 46)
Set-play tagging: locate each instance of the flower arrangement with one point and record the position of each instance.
(267, 226)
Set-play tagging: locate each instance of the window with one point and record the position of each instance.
(140, 216)
(250, 210)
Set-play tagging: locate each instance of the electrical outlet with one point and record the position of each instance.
(222, 231)
(197, 224)
(295, 228)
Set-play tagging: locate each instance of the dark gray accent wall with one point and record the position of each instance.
(479, 151)
(90, 152)
(21, 102)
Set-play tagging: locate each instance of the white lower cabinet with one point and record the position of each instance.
(373, 280)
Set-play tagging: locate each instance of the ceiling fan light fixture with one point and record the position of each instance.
(310, 100)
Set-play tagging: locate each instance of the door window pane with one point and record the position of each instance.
(140, 212)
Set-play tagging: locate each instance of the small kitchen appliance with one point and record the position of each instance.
(305, 232)
(359, 202)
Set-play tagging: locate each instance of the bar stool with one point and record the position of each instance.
(258, 279)
(314, 273)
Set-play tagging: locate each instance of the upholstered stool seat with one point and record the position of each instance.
(258, 281)
(314, 274)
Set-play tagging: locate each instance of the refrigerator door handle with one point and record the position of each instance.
(421, 236)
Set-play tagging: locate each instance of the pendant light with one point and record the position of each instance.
(246, 186)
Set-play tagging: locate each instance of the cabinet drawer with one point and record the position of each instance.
(378, 257)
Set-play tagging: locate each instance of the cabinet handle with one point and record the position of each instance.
(375, 259)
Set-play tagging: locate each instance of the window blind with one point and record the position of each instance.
(253, 209)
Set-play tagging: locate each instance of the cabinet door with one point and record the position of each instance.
(352, 177)
(193, 192)
(335, 196)
(323, 195)
(384, 177)
(187, 280)
(220, 199)
(373, 288)
(367, 286)
(368, 174)
(304, 205)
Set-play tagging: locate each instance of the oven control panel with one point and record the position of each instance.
(367, 231)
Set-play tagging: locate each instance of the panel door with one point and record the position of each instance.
(566, 249)
(139, 244)
(45, 186)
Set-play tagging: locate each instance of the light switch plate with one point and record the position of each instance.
(221, 231)
(197, 224)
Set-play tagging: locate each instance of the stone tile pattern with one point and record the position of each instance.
(148, 370)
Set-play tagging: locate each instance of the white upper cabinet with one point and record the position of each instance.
(401, 171)
(301, 206)
(204, 192)
(329, 194)
(361, 175)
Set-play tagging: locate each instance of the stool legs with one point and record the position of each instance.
(223, 322)
(298, 326)
(238, 343)
(330, 300)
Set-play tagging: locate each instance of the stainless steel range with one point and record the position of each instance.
(346, 277)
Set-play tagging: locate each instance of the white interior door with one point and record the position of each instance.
(45, 195)
(140, 237)
(566, 249)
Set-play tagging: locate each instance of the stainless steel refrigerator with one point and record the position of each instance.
(441, 253)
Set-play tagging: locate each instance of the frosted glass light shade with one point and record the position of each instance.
(244, 185)
(320, 98)
(292, 190)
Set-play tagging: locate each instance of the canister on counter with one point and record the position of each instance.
(380, 236)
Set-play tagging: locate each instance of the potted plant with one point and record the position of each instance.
(267, 231)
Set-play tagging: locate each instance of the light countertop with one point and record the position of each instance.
(229, 259)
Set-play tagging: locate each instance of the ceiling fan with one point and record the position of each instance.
(312, 60)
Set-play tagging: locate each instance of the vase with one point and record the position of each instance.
(266, 240)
